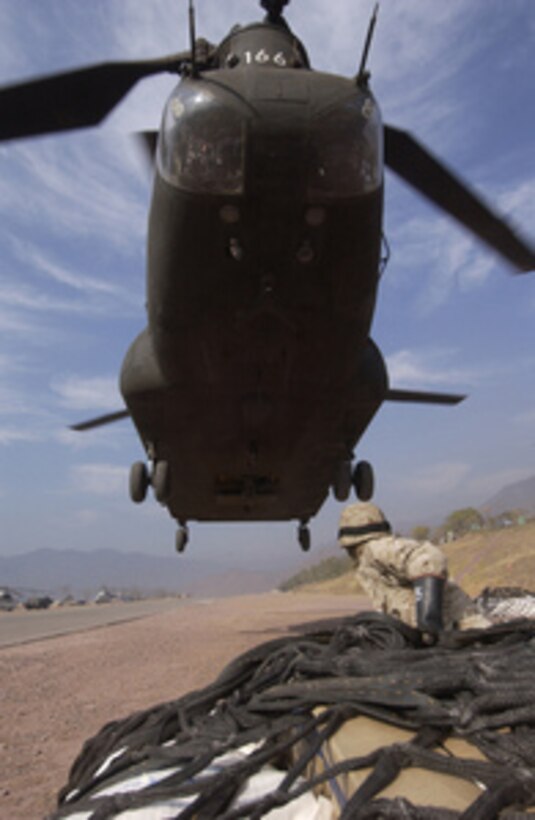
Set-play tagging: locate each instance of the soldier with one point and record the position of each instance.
(403, 577)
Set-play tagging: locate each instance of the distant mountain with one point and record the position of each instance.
(83, 573)
(517, 496)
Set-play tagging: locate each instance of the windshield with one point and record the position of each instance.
(346, 149)
(201, 146)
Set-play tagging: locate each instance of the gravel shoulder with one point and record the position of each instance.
(56, 693)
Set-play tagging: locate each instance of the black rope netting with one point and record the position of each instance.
(289, 696)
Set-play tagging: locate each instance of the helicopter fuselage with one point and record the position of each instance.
(256, 376)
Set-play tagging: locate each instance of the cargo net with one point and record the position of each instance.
(501, 604)
(281, 707)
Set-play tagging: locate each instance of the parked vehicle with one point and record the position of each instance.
(38, 602)
(7, 601)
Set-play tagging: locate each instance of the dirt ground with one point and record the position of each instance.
(56, 693)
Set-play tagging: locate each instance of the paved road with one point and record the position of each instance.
(23, 626)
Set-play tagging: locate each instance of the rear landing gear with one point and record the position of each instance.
(303, 536)
(360, 478)
(341, 485)
(363, 480)
(182, 538)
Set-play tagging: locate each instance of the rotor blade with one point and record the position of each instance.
(109, 418)
(411, 161)
(423, 397)
(74, 99)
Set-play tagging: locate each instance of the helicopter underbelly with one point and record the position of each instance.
(262, 448)
(256, 376)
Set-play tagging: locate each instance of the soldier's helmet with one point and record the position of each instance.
(360, 523)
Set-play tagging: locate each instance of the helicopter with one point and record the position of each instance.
(256, 376)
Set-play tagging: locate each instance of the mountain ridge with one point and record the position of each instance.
(57, 571)
(517, 495)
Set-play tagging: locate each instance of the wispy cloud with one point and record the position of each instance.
(12, 435)
(526, 421)
(430, 366)
(12, 402)
(27, 298)
(25, 414)
(518, 203)
(95, 393)
(21, 301)
(85, 518)
(85, 396)
(420, 368)
(453, 260)
(12, 363)
(437, 479)
(100, 479)
(106, 439)
(12, 322)
(65, 284)
(81, 187)
(36, 260)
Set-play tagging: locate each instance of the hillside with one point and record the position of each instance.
(517, 496)
(494, 557)
(488, 558)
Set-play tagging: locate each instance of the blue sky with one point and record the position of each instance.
(73, 208)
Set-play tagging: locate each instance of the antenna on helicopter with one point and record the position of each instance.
(363, 76)
(192, 39)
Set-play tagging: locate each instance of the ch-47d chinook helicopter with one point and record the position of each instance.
(256, 375)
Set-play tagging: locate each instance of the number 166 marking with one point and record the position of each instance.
(262, 57)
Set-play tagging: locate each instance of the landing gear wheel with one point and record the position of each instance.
(303, 535)
(341, 485)
(363, 480)
(139, 482)
(160, 481)
(182, 538)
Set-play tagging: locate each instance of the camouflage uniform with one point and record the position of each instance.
(389, 569)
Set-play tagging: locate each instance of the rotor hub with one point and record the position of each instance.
(274, 9)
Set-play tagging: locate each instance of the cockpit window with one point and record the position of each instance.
(201, 146)
(346, 149)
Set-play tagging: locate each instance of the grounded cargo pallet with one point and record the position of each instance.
(360, 716)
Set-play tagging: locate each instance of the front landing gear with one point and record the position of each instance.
(303, 536)
(139, 482)
(182, 538)
(160, 481)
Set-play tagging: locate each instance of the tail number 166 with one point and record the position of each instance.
(263, 57)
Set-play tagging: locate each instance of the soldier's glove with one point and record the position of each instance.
(428, 593)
